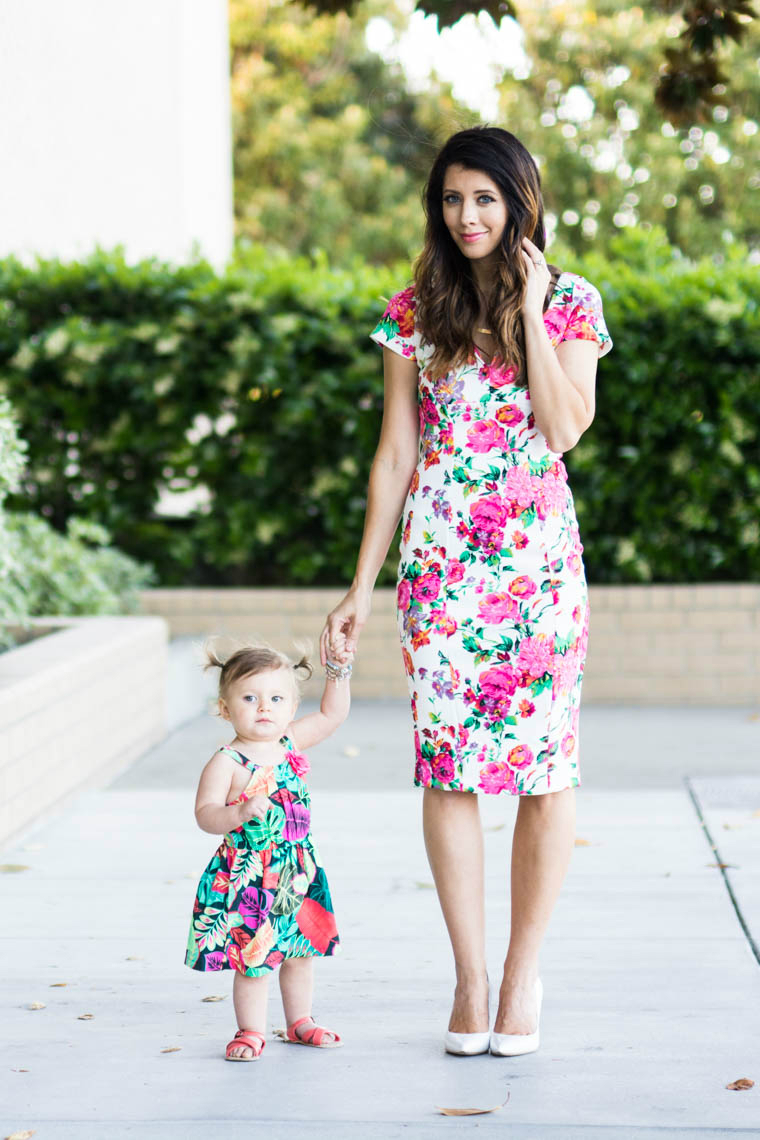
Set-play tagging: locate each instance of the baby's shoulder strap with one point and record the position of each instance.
(238, 757)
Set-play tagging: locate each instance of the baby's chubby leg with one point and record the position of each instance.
(297, 989)
(250, 999)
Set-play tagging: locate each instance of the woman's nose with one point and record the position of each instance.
(469, 213)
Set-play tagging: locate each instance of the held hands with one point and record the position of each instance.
(342, 628)
(254, 808)
(537, 278)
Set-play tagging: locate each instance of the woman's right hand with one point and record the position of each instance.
(344, 624)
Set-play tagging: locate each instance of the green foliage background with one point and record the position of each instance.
(259, 390)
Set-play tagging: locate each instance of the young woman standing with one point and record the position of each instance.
(490, 363)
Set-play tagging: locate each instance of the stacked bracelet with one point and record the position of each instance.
(337, 672)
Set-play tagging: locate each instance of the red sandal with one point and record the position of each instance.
(250, 1037)
(314, 1035)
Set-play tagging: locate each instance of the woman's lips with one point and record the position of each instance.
(472, 237)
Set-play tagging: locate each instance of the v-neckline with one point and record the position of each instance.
(495, 355)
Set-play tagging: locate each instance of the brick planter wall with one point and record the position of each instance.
(650, 645)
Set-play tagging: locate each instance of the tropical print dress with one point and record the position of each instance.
(264, 895)
(492, 600)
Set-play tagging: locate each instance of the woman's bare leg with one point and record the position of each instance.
(454, 844)
(541, 849)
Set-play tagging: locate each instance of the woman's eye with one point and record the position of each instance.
(449, 199)
(486, 199)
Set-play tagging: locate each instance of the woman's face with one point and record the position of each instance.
(474, 211)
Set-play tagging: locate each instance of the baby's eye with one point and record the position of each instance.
(249, 697)
(276, 697)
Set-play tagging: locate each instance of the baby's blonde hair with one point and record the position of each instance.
(251, 659)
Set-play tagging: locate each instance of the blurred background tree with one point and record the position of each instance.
(332, 146)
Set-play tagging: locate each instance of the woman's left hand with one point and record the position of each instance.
(537, 278)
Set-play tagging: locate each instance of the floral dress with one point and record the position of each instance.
(264, 895)
(492, 599)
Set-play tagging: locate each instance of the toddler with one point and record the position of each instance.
(263, 902)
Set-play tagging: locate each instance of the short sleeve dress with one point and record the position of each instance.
(492, 599)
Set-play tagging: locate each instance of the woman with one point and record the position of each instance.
(490, 363)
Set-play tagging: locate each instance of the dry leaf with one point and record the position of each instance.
(424, 886)
(282, 1034)
(21, 1135)
(742, 1083)
(583, 843)
(36, 1005)
(722, 866)
(351, 750)
(497, 827)
(86, 1017)
(58, 985)
(172, 1049)
(214, 997)
(133, 958)
(12, 868)
(470, 1111)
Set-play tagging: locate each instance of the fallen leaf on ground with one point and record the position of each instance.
(351, 750)
(172, 1049)
(470, 1111)
(58, 985)
(134, 958)
(282, 1034)
(424, 886)
(732, 826)
(12, 868)
(496, 827)
(742, 1083)
(85, 1017)
(214, 997)
(583, 843)
(21, 1135)
(722, 866)
(36, 1005)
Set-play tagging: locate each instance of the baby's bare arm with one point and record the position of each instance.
(212, 812)
(333, 709)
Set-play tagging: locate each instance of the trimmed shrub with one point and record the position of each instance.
(257, 395)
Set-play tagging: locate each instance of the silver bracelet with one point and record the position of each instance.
(337, 672)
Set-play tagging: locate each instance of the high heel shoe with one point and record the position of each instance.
(466, 1044)
(515, 1044)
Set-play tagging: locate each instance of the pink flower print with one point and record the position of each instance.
(518, 486)
(446, 438)
(495, 608)
(423, 773)
(539, 496)
(535, 656)
(429, 412)
(522, 586)
(426, 588)
(488, 513)
(401, 310)
(454, 571)
(554, 324)
(510, 415)
(485, 435)
(574, 564)
(568, 744)
(527, 708)
(555, 494)
(497, 685)
(519, 539)
(404, 594)
(566, 668)
(520, 757)
(501, 376)
(299, 763)
(497, 777)
(443, 767)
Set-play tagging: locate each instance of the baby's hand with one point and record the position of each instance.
(338, 653)
(254, 808)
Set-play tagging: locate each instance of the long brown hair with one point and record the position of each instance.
(447, 299)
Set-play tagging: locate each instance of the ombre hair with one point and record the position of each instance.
(251, 659)
(446, 294)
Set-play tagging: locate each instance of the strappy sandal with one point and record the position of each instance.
(250, 1037)
(314, 1035)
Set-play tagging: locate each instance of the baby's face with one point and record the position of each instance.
(262, 705)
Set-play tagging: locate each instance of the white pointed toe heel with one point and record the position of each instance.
(515, 1044)
(466, 1044)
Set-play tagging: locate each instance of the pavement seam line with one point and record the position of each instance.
(722, 868)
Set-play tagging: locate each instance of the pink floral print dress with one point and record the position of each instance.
(492, 599)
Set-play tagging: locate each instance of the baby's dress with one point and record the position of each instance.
(264, 896)
(492, 600)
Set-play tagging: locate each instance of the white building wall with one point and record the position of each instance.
(115, 128)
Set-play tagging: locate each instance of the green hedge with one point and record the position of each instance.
(261, 388)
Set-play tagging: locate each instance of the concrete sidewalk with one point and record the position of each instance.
(651, 988)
